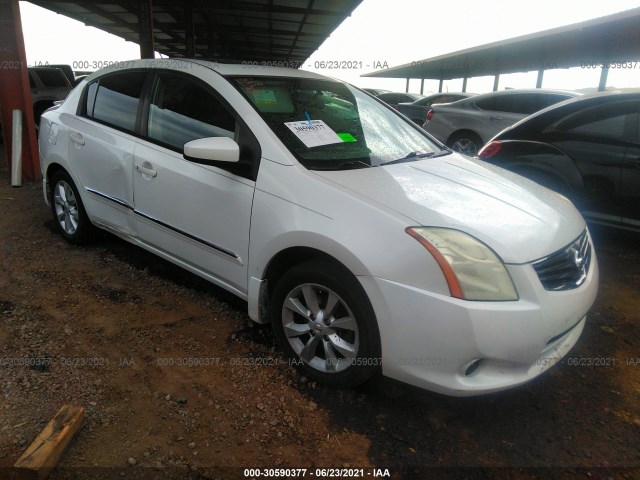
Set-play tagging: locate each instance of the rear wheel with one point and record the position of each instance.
(68, 211)
(325, 324)
(467, 143)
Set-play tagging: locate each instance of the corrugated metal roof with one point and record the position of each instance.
(262, 30)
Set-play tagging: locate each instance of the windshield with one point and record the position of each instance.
(329, 125)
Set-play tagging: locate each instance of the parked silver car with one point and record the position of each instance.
(468, 124)
(417, 111)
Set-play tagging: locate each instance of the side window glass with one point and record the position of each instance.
(613, 120)
(549, 99)
(486, 103)
(117, 99)
(516, 103)
(183, 110)
(603, 127)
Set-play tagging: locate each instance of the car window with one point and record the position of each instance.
(52, 77)
(117, 99)
(522, 103)
(182, 110)
(32, 82)
(331, 125)
(517, 103)
(548, 99)
(446, 99)
(613, 120)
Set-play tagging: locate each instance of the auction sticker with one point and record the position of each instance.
(314, 133)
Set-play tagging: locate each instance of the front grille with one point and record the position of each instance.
(567, 268)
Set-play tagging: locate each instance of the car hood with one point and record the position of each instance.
(520, 220)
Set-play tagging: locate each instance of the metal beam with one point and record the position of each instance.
(496, 81)
(188, 31)
(440, 86)
(145, 29)
(464, 84)
(421, 85)
(15, 92)
(603, 79)
(539, 79)
(304, 19)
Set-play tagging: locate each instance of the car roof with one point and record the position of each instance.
(534, 91)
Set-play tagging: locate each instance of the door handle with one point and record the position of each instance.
(145, 170)
(77, 139)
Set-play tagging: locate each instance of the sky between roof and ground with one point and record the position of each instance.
(378, 32)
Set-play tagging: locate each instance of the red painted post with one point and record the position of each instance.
(14, 88)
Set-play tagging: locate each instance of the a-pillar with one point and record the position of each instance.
(15, 92)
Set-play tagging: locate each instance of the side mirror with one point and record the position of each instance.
(212, 150)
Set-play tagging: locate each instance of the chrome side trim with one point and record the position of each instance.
(120, 202)
(218, 248)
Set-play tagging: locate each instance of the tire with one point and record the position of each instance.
(341, 356)
(68, 211)
(466, 143)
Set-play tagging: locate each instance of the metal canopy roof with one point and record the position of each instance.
(264, 30)
(604, 40)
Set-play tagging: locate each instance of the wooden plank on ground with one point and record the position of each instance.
(44, 453)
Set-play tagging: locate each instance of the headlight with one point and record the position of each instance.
(471, 269)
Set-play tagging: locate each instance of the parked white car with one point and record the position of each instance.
(366, 245)
(466, 125)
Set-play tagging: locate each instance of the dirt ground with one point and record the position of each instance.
(106, 326)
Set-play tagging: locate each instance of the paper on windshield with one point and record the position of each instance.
(314, 135)
(264, 96)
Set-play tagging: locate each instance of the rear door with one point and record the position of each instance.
(101, 141)
(197, 214)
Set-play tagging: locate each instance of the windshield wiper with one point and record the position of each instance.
(417, 155)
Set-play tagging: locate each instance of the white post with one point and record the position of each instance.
(16, 150)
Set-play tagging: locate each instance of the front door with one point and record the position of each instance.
(197, 214)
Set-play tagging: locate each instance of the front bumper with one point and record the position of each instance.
(430, 340)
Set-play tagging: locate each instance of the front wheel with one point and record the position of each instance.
(324, 322)
(68, 211)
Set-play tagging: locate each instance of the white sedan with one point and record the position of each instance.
(367, 246)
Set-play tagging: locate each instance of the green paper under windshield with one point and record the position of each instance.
(347, 137)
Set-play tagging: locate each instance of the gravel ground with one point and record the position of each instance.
(177, 384)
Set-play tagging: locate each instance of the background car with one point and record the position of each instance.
(48, 84)
(394, 98)
(587, 148)
(468, 124)
(417, 110)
